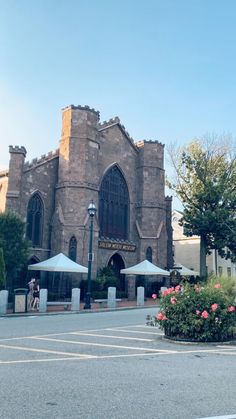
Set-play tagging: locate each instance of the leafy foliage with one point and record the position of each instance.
(13, 242)
(196, 313)
(205, 182)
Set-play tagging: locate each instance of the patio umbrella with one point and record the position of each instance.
(58, 263)
(183, 271)
(145, 268)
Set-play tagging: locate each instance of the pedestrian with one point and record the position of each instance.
(30, 297)
(36, 295)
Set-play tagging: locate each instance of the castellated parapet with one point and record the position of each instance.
(17, 150)
(41, 160)
(112, 122)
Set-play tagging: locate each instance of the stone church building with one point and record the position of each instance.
(100, 162)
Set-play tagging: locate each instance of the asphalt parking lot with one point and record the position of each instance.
(110, 365)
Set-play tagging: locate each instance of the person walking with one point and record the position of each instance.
(30, 297)
(36, 295)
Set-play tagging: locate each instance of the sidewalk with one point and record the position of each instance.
(95, 307)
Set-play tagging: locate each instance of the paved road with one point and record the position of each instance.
(109, 365)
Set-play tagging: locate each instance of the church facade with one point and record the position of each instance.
(96, 162)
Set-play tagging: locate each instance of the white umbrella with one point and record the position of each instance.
(58, 263)
(183, 271)
(144, 268)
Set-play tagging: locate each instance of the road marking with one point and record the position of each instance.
(109, 336)
(24, 348)
(28, 361)
(220, 417)
(104, 345)
(134, 331)
(84, 357)
(227, 347)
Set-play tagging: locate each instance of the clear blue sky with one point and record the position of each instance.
(167, 68)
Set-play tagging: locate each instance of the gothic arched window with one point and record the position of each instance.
(73, 248)
(35, 220)
(149, 254)
(114, 205)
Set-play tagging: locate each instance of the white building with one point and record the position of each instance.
(186, 251)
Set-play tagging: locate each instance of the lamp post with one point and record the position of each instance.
(92, 212)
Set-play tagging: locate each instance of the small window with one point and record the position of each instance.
(220, 270)
(149, 254)
(73, 248)
(229, 272)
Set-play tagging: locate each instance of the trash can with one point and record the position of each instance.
(20, 300)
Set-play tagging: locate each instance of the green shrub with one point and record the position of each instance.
(228, 284)
(196, 313)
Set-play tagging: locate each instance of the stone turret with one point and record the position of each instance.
(78, 176)
(79, 146)
(151, 207)
(17, 159)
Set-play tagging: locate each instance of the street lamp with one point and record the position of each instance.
(92, 212)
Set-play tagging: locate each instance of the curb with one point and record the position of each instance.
(66, 313)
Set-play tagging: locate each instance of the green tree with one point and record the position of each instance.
(2, 271)
(14, 245)
(205, 182)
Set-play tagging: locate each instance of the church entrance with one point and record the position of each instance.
(116, 263)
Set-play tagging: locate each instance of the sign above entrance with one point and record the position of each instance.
(117, 246)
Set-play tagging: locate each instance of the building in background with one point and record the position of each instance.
(186, 250)
(100, 162)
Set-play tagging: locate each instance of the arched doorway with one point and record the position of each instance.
(116, 263)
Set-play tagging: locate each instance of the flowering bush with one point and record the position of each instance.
(196, 313)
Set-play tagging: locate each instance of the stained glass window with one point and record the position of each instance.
(35, 220)
(114, 205)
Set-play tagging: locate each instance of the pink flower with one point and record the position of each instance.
(178, 288)
(154, 296)
(231, 309)
(205, 314)
(198, 312)
(197, 288)
(173, 300)
(161, 316)
(217, 286)
(214, 307)
(167, 292)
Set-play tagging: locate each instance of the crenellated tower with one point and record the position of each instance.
(17, 159)
(151, 206)
(78, 175)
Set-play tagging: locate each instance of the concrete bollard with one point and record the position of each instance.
(43, 298)
(3, 301)
(111, 302)
(75, 299)
(140, 296)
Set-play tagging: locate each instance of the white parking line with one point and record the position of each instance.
(103, 345)
(134, 331)
(24, 348)
(221, 417)
(109, 336)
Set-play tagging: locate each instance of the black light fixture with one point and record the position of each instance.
(92, 212)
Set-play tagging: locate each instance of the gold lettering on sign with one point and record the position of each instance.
(117, 246)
